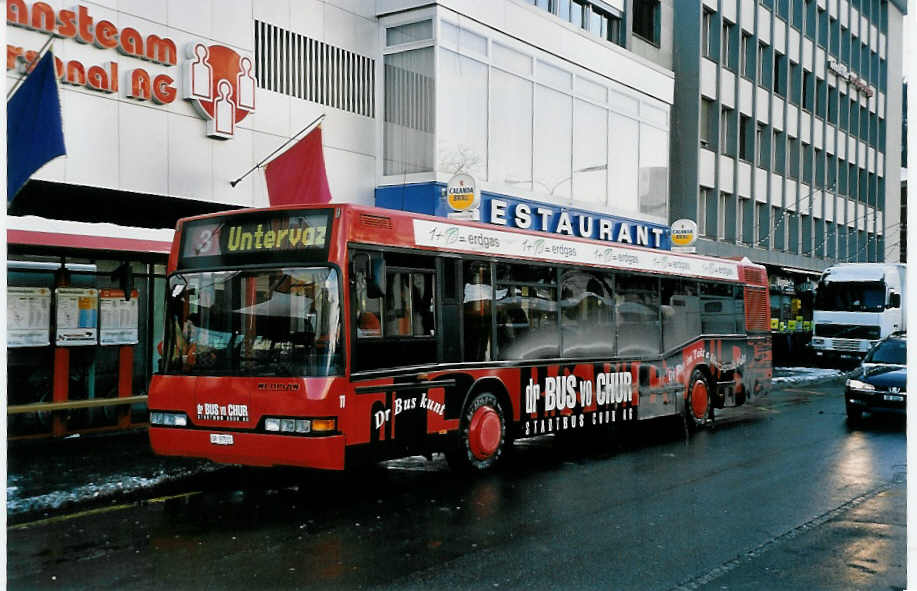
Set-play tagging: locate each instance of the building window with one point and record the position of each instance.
(721, 216)
(764, 77)
(793, 157)
(408, 113)
(646, 20)
(702, 196)
(778, 153)
(808, 98)
(725, 146)
(780, 74)
(748, 56)
(795, 84)
(707, 32)
(745, 137)
(707, 119)
(740, 220)
(759, 220)
(796, 14)
(821, 97)
(761, 144)
(725, 44)
(616, 30)
(577, 10)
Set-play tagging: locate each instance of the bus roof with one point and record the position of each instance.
(386, 227)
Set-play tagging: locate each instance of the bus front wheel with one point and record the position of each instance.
(482, 435)
(699, 403)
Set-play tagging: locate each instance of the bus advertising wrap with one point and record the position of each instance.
(482, 241)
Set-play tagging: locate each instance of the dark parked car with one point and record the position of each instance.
(880, 383)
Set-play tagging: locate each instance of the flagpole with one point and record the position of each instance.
(284, 145)
(29, 66)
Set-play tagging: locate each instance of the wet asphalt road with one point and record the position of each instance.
(781, 495)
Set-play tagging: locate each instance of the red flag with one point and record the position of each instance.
(297, 177)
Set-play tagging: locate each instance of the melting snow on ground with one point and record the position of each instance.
(114, 485)
(795, 376)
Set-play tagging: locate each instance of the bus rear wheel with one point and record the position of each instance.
(482, 435)
(699, 403)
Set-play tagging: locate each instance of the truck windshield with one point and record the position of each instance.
(850, 296)
(278, 322)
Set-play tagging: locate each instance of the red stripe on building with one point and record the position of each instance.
(86, 242)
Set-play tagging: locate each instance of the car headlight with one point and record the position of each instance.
(858, 385)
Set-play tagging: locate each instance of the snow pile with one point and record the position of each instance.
(798, 376)
(114, 485)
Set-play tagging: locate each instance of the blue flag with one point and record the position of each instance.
(34, 132)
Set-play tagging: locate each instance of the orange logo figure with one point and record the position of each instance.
(220, 84)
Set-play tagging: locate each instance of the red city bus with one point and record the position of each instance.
(320, 336)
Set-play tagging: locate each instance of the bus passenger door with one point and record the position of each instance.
(450, 344)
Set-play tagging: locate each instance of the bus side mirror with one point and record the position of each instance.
(372, 266)
(894, 300)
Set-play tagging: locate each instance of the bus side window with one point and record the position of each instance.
(716, 304)
(637, 314)
(587, 315)
(398, 309)
(680, 313)
(526, 308)
(738, 313)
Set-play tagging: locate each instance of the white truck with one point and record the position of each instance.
(857, 304)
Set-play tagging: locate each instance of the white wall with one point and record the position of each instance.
(118, 143)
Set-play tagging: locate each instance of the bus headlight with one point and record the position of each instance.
(169, 419)
(858, 385)
(279, 425)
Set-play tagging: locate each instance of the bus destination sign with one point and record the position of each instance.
(277, 233)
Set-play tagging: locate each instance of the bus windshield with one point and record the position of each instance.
(277, 322)
(851, 296)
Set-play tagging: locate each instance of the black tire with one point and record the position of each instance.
(480, 447)
(699, 402)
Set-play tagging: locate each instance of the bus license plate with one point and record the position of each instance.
(893, 397)
(221, 439)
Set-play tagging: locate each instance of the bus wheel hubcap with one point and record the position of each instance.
(699, 399)
(484, 432)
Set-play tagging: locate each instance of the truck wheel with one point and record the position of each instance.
(482, 435)
(699, 403)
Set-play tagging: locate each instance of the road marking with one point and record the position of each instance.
(170, 497)
(730, 565)
(100, 510)
(815, 392)
(71, 516)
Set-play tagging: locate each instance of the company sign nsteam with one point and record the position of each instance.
(223, 93)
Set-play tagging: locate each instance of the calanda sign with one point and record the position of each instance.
(217, 81)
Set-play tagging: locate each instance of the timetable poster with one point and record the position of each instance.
(118, 318)
(77, 316)
(28, 316)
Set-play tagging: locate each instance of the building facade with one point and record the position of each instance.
(789, 118)
(559, 111)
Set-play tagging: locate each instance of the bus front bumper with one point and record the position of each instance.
(251, 449)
